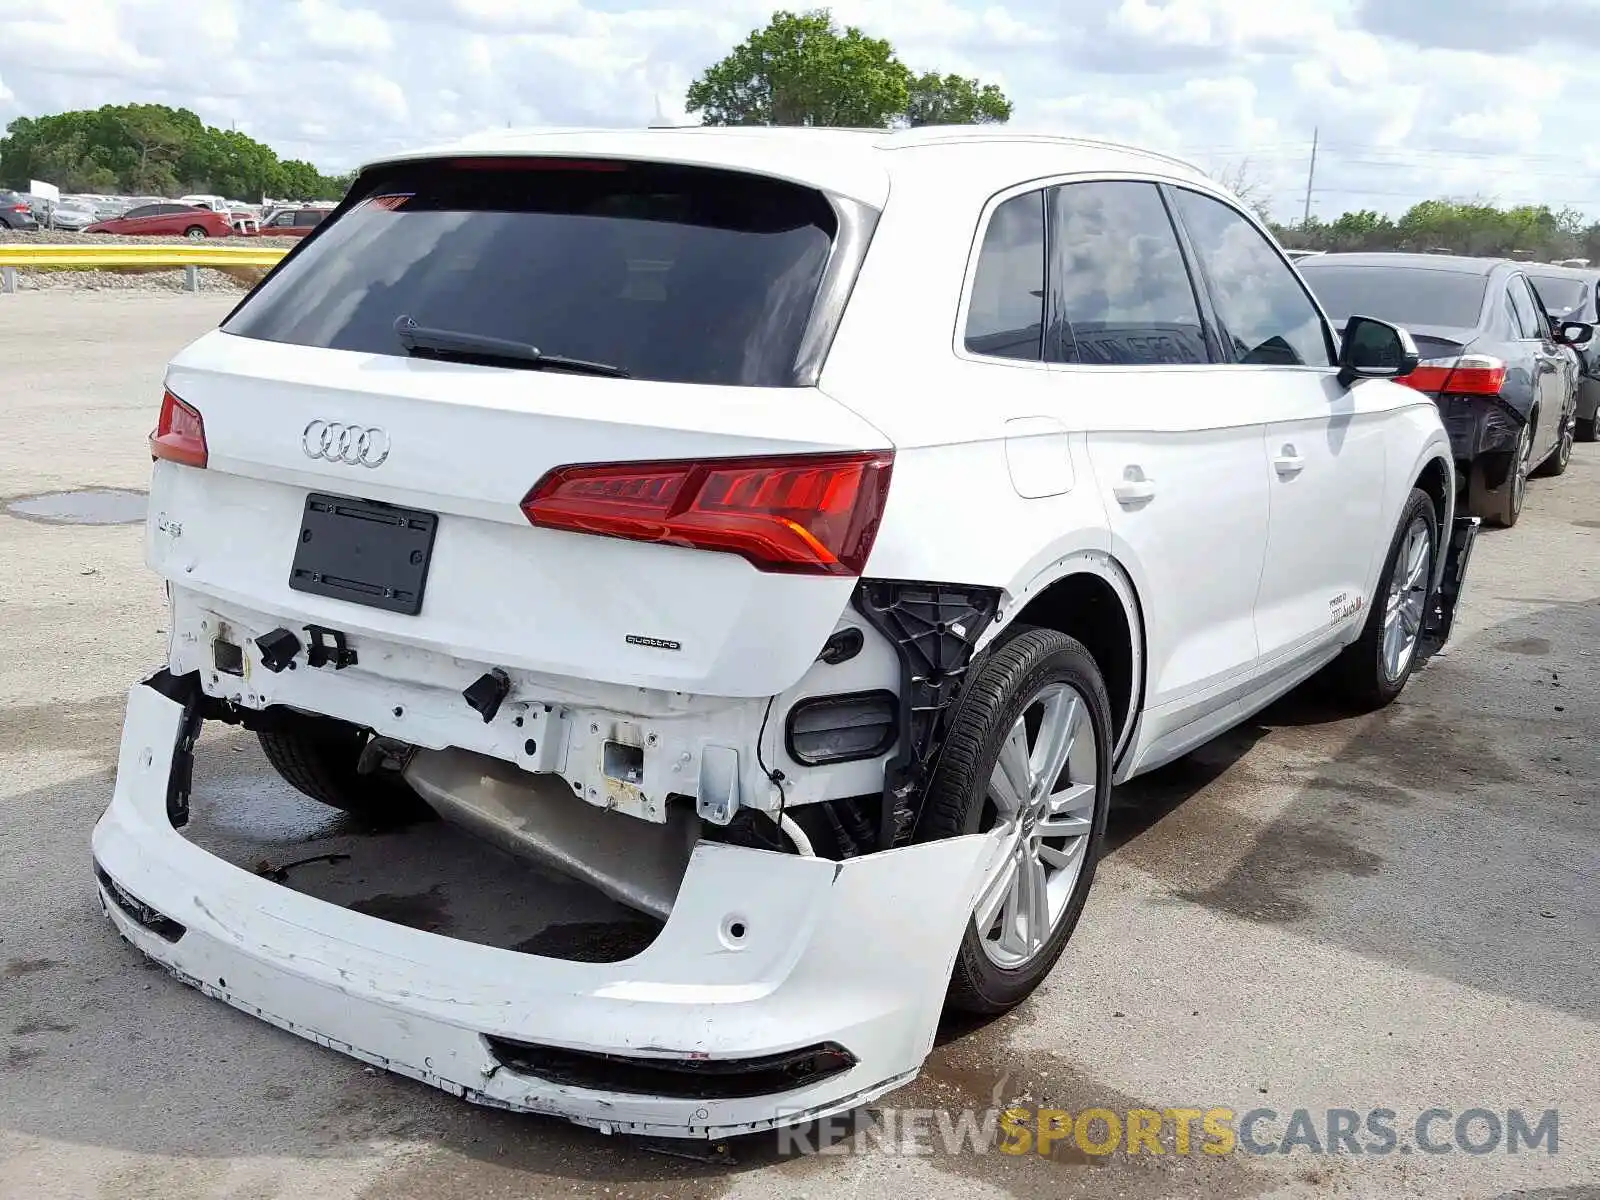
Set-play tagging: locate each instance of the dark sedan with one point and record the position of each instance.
(1573, 294)
(15, 212)
(1502, 375)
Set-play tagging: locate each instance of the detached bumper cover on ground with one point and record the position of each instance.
(765, 954)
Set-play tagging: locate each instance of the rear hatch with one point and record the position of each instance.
(375, 417)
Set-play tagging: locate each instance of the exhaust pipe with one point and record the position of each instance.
(637, 863)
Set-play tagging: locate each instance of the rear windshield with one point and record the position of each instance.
(672, 273)
(1565, 297)
(1399, 295)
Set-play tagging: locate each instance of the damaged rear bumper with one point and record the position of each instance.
(781, 989)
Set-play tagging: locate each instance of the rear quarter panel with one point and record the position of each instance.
(971, 436)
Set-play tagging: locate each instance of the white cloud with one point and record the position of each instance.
(353, 32)
(1403, 109)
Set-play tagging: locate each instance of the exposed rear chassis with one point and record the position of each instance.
(764, 955)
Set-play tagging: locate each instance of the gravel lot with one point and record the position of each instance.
(231, 282)
(1397, 912)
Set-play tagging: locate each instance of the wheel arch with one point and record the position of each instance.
(1091, 597)
(1437, 478)
(1434, 471)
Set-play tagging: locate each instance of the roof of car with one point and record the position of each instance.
(857, 163)
(1555, 272)
(1416, 262)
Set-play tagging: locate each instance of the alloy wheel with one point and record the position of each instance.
(1042, 792)
(1407, 599)
(1519, 470)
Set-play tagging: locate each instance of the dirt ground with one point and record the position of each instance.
(1395, 912)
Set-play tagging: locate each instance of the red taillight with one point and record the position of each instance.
(1469, 375)
(180, 434)
(814, 514)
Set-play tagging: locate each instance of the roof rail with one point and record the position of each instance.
(1006, 132)
(1124, 146)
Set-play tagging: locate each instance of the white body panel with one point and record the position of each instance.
(1327, 460)
(468, 442)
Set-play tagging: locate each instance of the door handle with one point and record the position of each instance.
(1288, 463)
(1134, 488)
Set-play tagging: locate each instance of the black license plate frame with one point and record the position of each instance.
(364, 552)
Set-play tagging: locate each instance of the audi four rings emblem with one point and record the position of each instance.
(352, 444)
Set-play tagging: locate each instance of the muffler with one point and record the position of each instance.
(637, 863)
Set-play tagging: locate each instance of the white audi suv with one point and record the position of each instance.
(791, 534)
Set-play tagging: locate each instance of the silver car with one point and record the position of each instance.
(71, 215)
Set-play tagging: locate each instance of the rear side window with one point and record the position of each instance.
(1264, 310)
(1005, 317)
(1124, 292)
(1529, 321)
(671, 273)
(308, 218)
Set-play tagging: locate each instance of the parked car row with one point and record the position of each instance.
(1507, 353)
(194, 216)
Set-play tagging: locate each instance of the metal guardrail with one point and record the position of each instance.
(101, 255)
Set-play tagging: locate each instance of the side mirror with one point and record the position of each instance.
(1574, 333)
(1374, 349)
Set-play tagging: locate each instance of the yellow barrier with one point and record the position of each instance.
(137, 254)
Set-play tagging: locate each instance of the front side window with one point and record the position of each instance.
(1265, 313)
(1005, 317)
(1119, 277)
(1565, 297)
(147, 210)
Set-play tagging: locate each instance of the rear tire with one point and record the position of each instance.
(317, 756)
(1503, 505)
(1583, 429)
(195, 231)
(1374, 669)
(1556, 464)
(1045, 685)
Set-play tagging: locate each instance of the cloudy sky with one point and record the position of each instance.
(1412, 98)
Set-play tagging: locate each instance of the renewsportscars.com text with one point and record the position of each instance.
(1182, 1131)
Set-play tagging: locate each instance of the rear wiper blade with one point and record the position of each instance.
(421, 341)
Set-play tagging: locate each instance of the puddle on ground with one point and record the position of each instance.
(87, 506)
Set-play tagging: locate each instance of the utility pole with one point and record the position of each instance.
(1311, 177)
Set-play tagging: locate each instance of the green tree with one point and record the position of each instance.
(936, 99)
(802, 69)
(150, 149)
